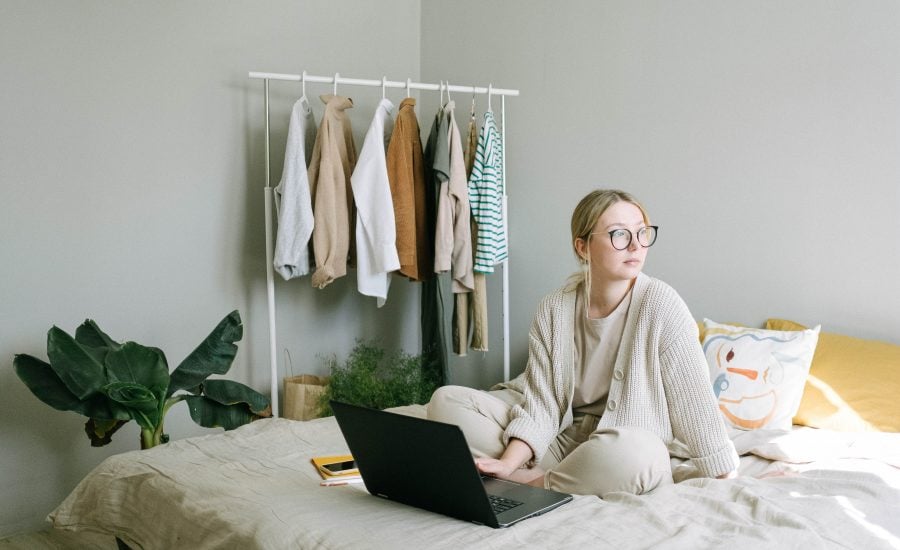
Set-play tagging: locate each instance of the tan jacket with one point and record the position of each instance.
(332, 163)
(406, 175)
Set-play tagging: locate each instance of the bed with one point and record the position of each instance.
(255, 488)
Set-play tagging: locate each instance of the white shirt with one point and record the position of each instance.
(376, 233)
(295, 213)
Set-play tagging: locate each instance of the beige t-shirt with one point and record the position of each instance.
(596, 346)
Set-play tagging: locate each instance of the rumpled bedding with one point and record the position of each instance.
(254, 488)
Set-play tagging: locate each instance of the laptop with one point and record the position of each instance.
(428, 464)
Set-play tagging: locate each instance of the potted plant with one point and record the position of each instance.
(111, 383)
(373, 377)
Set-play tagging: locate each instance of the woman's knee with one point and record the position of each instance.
(632, 460)
(446, 403)
(481, 416)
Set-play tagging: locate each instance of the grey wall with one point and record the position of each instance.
(762, 136)
(131, 176)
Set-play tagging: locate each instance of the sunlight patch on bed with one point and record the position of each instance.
(860, 518)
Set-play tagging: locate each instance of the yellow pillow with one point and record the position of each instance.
(853, 384)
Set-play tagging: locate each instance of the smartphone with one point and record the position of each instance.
(340, 467)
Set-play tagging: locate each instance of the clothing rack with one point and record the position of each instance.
(409, 85)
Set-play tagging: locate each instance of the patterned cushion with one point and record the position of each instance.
(758, 375)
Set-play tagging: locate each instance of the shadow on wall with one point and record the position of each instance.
(39, 439)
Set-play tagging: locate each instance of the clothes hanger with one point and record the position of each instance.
(336, 76)
(303, 85)
(408, 83)
(441, 90)
(449, 99)
(473, 103)
(490, 91)
(383, 86)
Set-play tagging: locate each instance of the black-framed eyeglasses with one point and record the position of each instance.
(621, 238)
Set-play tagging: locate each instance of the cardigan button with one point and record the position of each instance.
(618, 374)
(611, 405)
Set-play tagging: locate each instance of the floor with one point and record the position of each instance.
(52, 539)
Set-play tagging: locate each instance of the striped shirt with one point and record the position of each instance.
(486, 198)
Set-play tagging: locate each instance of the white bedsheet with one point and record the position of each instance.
(255, 488)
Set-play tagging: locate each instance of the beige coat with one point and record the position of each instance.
(332, 163)
(660, 378)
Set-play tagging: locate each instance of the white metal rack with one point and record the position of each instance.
(409, 85)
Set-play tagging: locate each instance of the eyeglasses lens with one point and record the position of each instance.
(621, 238)
(646, 236)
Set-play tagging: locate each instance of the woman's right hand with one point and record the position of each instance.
(495, 467)
(516, 453)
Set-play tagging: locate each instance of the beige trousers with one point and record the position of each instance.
(581, 460)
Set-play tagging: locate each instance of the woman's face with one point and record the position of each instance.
(607, 263)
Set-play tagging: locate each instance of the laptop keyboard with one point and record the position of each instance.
(501, 504)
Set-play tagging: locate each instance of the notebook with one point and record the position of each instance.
(428, 465)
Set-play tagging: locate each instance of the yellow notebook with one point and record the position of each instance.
(336, 467)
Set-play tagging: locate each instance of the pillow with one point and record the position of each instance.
(758, 375)
(853, 383)
(701, 329)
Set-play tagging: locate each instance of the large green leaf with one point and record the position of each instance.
(139, 364)
(144, 405)
(100, 407)
(228, 392)
(80, 368)
(213, 356)
(90, 335)
(212, 414)
(46, 386)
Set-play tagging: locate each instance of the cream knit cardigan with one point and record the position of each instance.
(660, 378)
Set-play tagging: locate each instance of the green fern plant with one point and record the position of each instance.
(376, 378)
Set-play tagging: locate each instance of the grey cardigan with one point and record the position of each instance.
(660, 378)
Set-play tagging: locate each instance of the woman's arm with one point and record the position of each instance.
(547, 381)
(516, 454)
(693, 410)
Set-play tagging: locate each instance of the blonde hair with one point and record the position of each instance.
(584, 218)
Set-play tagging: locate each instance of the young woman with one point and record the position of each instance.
(615, 381)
